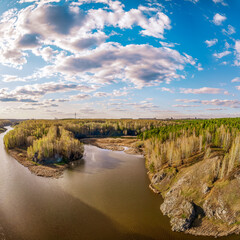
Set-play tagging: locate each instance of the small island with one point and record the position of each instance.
(45, 150)
(46, 147)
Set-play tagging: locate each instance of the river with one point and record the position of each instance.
(103, 197)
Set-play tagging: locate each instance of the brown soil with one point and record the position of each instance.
(115, 144)
(53, 171)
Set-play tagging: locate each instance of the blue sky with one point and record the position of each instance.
(117, 59)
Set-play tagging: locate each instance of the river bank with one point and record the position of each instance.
(50, 171)
(130, 145)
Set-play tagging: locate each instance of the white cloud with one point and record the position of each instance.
(164, 89)
(222, 54)
(218, 19)
(237, 53)
(79, 97)
(185, 106)
(32, 93)
(212, 42)
(165, 44)
(188, 100)
(142, 65)
(220, 1)
(214, 109)
(230, 30)
(237, 79)
(69, 28)
(225, 103)
(12, 78)
(193, 1)
(214, 102)
(203, 90)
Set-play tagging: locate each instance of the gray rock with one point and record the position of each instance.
(158, 177)
(205, 188)
(181, 212)
(180, 224)
(219, 211)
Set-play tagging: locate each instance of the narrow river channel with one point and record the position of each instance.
(104, 197)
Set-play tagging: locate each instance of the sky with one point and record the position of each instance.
(119, 59)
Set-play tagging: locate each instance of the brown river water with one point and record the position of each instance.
(104, 197)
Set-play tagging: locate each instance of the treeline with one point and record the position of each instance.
(44, 139)
(111, 127)
(23, 133)
(4, 123)
(174, 145)
(167, 143)
(59, 144)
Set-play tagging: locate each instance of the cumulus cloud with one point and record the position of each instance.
(218, 19)
(32, 93)
(79, 97)
(188, 100)
(237, 79)
(212, 42)
(165, 44)
(47, 53)
(185, 106)
(230, 30)
(203, 90)
(237, 53)
(214, 109)
(12, 78)
(220, 1)
(69, 28)
(73, 40)
(142, 65)
(225, 103)
(215, 102)
(164, 89)
(221, 54)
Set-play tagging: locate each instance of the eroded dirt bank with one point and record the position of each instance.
(54, 170)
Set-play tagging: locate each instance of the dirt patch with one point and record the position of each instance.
(53, 171)
(128, 145)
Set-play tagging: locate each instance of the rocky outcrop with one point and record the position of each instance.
(158, 177)
(205, 189)
(219, 211)
(196, 201)
(181, 211)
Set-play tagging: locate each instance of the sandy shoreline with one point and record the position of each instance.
(56, 171)
(128, 145)
(53, 171)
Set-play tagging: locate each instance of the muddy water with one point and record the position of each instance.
(106, 196)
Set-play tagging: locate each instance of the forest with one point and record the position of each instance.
(57, 140)
(4, 123)
(174, 145)
(169, 143)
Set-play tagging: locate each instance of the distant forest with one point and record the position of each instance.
(170, 143)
